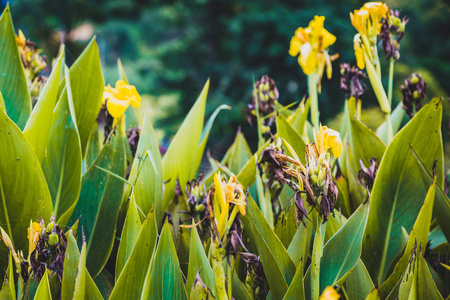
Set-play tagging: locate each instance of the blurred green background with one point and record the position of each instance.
(170, 48)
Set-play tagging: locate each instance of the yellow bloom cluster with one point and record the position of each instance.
(312, 44)
(326, 139)
(224, 194)
(367, 21)
(120, 97)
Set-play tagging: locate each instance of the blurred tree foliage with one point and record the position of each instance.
(170, 48)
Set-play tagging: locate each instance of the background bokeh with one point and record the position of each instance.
(170, 48)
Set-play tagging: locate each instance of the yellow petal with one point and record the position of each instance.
(223, 220)
(329, 294)
(333, 141)
(294, 48)
(219, 193)
(307, 59)
(117, 107)
(359, 54)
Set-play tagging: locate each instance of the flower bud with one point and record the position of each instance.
(50, 227)
(53, 239)
(200, 208)
(414, 79)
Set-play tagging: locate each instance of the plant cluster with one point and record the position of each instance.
(312, 214)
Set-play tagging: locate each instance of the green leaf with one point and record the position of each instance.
(274, 256)
(87, 83)
(239, 290)
(37, 130)
(70, 271)
(181, 158)
(298, 119)
(426, 288)
(299, 248)
(296, 289)
(61, 163)
(442, 205)
(131, 280)
(94, 146)
(199, 262)
(9, 281)
(133, 117)
(2, 102)
(43, 291)
(342, 252)
(417, 238)
(13, 82)
(130, 233)
(396, 121)
(264, 199)
(23, 190)
(164, 280)
(289, 134)
(358, 285)
(398, 191)
(147, 173)
(99, 202)
(247, 175)
(85, 288)
(238, 154)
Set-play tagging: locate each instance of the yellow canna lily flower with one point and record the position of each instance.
(367, 19)
(312, 44)
(33, 236)
(329, 294)
(326, 139)
(120, 97)
(224, 194)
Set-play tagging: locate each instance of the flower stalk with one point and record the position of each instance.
(316, 257)
(314, 107)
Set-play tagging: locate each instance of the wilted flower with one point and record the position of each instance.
(367, 21)
(314, 178)
(133, 135)
(329, 294)
(120, 97)
(352, 84)
(255, 278)
(414, 92)
(392, 31)
(265, 94)
(366, 176)
(311, 44)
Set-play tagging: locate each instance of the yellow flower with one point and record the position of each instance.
(326, 139)
(329, 294)
(367, 20)
(312, 44)
(120, 97)
(224, 194)
(21, 40)
(33, 236)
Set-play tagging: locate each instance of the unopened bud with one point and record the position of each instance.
(50, 227)
(321, 175)
(53, 239)
(414, 79)
(199, 208)
(401, 28)
(416, 95)
(314, 179)
(396, 21)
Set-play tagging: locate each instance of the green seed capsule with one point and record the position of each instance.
(53, 239)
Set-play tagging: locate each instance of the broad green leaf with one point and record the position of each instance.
(122, 74)
(2, 102)
(85, 288)
(342, 252)
(426, 288)
(131, 280)
(94, 146)
(289, 134)
(299, 248)
(442, 205)
(199, 262)
(13, 82)
(358, 285)
(43, 291)
(274, 256)
(246, 176)
(398, 192)
(164, 279)
(130, 233)
(286, 226)
(238, 154)
(99, 202)
(87, 83)
(181, 159)
(417, 238)
(298, 119)
(133, 117)
(296, 289)
(396, 121)
(37, 131)
(239, 290)
(24, 193)
(147, 173)
(9, 286)
(264, 199)
(61, 163)
(70, 268)
(436, 237)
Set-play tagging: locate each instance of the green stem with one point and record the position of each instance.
(312, 91)
(391, 79)
(389, 131)
(230, 271)
(317, 255)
